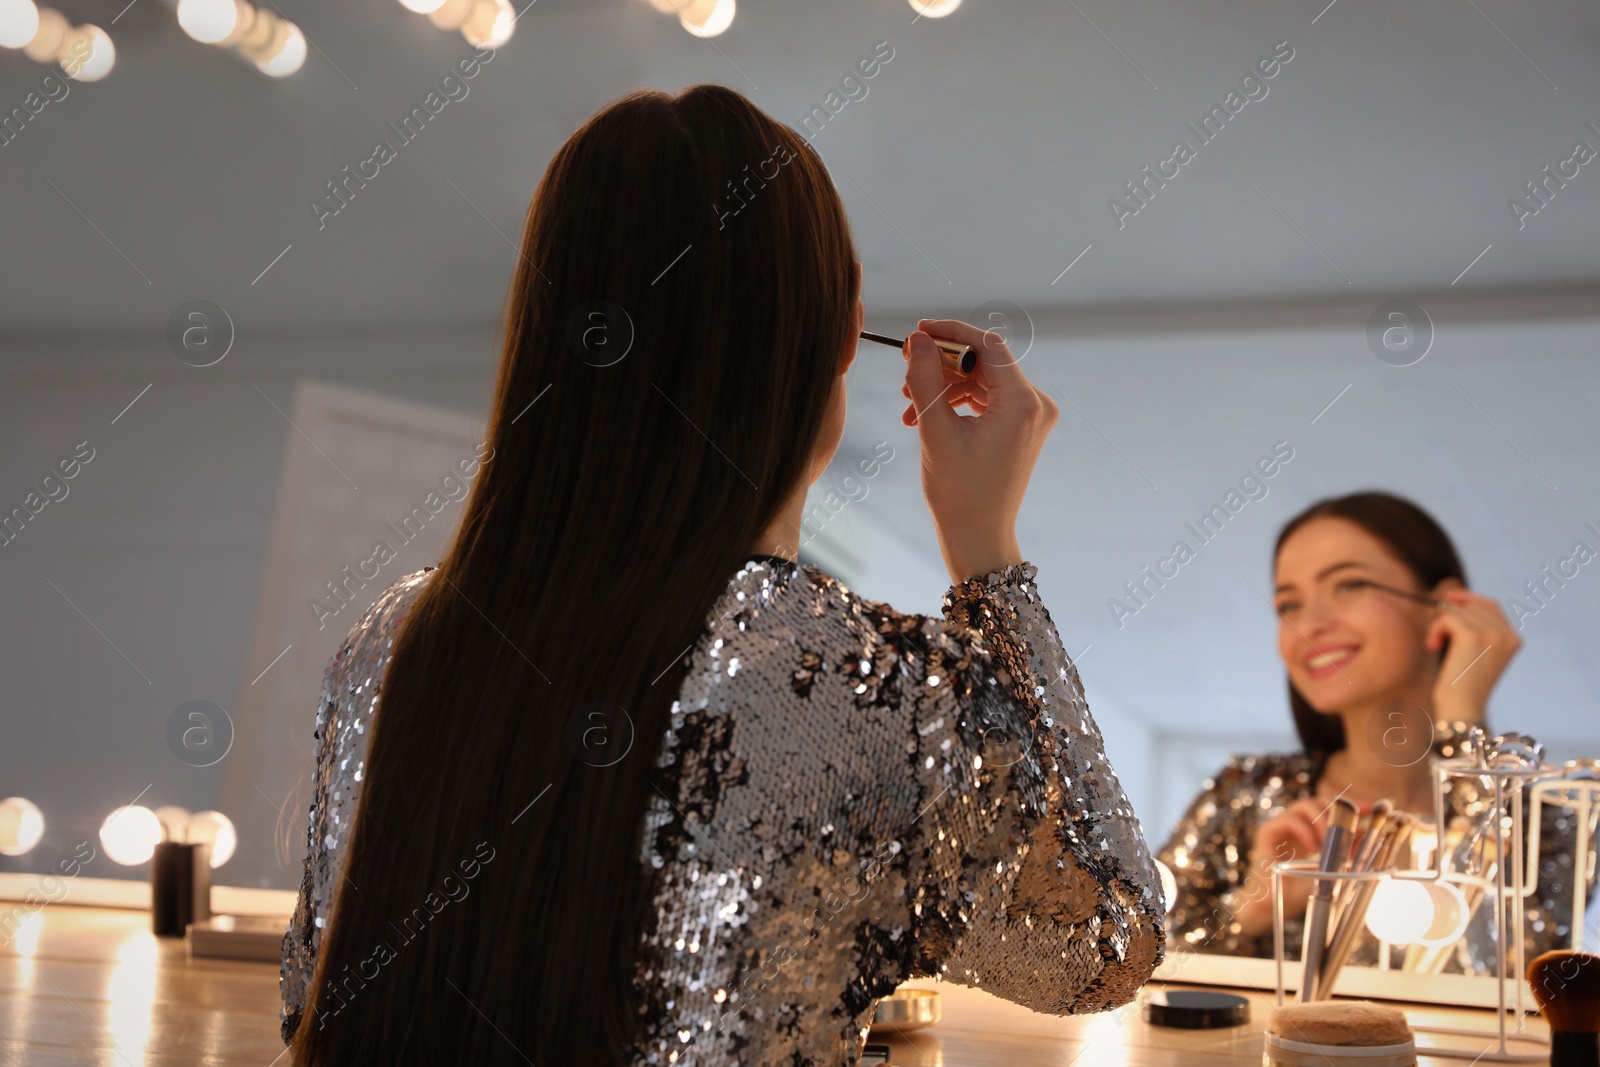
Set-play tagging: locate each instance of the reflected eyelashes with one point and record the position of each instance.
(1367, 583)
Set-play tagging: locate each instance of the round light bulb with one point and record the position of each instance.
(21, 825)
(47, 43)
(490, 24)
(289, 58)
(694, 12)
(935, 9)
(1169, 885)
(88, 55)
(209, 21)
(215, 829)
(130, 835)
(1450, 915)
(421, 7)
(721, 18)
(452, 13)
(174, 822)
(19, 21)
(1402, 911)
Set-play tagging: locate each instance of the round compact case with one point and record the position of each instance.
(1338, 1034)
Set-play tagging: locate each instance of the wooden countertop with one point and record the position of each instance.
(86, 985)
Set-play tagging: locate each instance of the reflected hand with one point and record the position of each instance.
(1293, 834)
(1482, 642)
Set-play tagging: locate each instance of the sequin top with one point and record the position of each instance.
(846, 797)
(1209, 853)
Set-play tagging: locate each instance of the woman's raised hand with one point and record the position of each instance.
(1482, 642)
(975, 469)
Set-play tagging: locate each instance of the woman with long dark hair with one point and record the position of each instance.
(618, 780)
(1391, 660)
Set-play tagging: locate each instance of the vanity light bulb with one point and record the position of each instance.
(290, 57)
(174, 823)
(1450, 915)
(720, 18)
(490, 24)
(694, 12)
(21, 825)
(215, 829)
(19, 21)
(209, 21)
(1402, 911)
(935, 9)
(102, 55)
(130, 835)
(1169, 885)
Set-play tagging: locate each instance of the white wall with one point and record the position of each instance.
(160, 541)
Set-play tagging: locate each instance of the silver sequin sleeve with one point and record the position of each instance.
(851, 797)
(342, 733)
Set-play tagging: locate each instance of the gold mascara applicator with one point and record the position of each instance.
(957, 357)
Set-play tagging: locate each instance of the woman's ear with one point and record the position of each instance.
(858, 322)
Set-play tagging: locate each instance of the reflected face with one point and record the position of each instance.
(1345, 643)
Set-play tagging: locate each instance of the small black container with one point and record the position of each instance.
(1194, 1009)
(180, 887)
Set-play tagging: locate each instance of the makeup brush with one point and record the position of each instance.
(962, 359)
(1567, 986)
(1342, 817)
(1361, 853)
(1420, 598)
(1391, 837)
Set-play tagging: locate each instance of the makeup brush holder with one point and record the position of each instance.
(1575, 796)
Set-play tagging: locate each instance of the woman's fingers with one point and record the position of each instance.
(960, 389)
(998, 365)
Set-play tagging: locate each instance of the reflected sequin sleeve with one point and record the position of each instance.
(1209, 850)
(1029, 875)
(342, 734)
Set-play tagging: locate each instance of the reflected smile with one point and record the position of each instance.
(1326, 661)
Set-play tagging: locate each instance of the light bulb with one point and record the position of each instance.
(209, 21)
(1401, 911)
(421, 7)
(174, 823)
(490, 24)
(452, 13)
(1169, 885)
(53, 31)
(935, 9)
(21, 825)
(694, 12)
(102, 54)
(260, 36)
(1450, 914)
(130, 835)
(19, 21)
(215, 829)
(289, 58)
(721, 18)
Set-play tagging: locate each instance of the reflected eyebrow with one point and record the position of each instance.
(1285, 586)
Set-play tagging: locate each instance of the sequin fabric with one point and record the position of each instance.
(342, 734)
(847, 797)
(1209, 853)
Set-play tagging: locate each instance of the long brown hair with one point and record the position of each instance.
(1414, 537)
(672, 336)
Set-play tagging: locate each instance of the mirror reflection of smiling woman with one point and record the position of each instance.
(620, 781)
(1390, 659)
